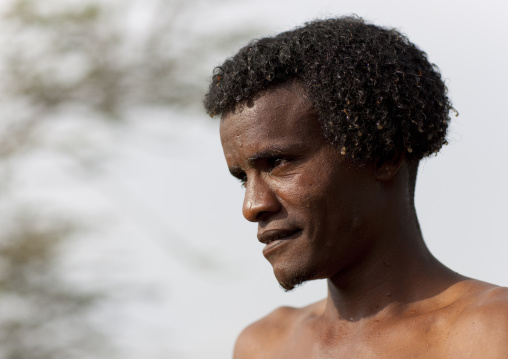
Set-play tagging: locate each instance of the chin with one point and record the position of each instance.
(292, 284)
(290, 279)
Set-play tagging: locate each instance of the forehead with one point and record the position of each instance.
(278, 114)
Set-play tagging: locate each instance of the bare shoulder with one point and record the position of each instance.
(481, 328)
(264, 336)
(486, 303)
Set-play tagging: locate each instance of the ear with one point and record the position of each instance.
(386, 169)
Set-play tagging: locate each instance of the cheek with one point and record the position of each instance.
(312, 202)
(300, 192)
(334, 205)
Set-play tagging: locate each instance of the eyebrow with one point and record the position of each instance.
(268, 153)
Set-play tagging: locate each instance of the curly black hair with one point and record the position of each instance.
(374, 91)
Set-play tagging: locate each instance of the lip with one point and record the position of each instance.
(276, 237)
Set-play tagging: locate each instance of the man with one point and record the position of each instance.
(325, 126)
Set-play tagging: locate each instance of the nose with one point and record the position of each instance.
(260, 201)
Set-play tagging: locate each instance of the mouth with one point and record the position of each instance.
(273, 235)
(277, 239)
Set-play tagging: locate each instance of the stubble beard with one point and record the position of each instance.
(296, 280)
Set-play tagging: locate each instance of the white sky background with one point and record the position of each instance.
(167, 192)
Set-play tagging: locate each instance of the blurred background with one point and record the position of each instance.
(121, 233)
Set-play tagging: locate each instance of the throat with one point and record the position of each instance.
(389, 286)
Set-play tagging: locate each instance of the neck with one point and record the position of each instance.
(396, 272)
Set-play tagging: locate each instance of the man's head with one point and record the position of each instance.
(310, 204)
(317, 121)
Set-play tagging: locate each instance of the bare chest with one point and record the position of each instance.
(416, 339)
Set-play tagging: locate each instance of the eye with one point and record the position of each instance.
(242, 177)
(277, 162)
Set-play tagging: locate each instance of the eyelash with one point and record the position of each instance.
(243, 179)
(277, 161)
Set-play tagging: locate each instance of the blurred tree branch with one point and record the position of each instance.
(42, 316)
(60, 58)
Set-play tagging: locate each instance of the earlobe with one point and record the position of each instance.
(386, 169)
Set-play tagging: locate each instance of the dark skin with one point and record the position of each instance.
(322, 218)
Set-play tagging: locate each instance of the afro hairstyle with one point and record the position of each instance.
(375, 93)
